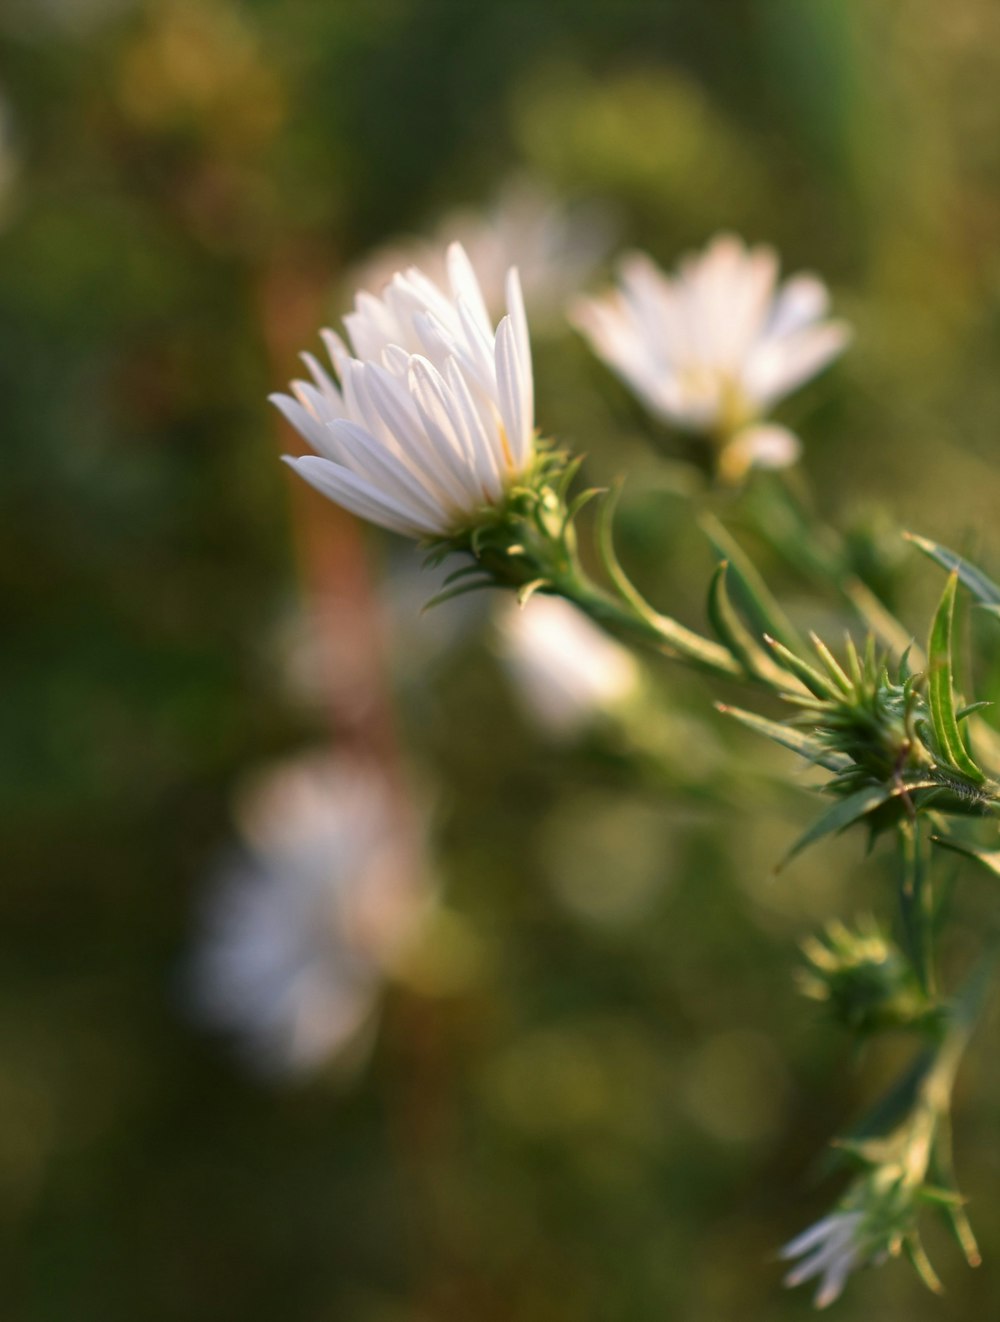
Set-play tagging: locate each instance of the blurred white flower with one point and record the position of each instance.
(831, 1250)
(434, 416)
(554, 246)
(714, 347)
(565, 669)
(298, 933)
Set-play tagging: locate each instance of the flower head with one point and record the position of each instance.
(554, 245)
(431, 417)
(831, 1249)
(299, 930)
(712, 348)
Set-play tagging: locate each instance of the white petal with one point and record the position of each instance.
(358, 496)
(305, 422)
(465, 286)
(485, 459)
(519, 322)
(801, 300)
(765, 445)
(326, 387)
(370, 460)
(430, 393)
(777, 366)
(813, 1235)
(514, 396)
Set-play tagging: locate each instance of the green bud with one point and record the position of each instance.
(863, 977)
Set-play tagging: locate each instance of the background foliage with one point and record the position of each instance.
(616, 1115)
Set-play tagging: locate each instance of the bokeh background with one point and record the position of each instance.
(614, 1105)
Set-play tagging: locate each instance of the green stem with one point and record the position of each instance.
(630, 617)
(917, 903)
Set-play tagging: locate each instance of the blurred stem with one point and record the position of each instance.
(916, 902)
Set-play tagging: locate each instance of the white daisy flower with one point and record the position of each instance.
(566, 670)
(831, 1250)
(714, 347)
(555, 247)
(299, 931)
(432, 413)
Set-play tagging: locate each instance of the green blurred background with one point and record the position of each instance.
(618, 1114)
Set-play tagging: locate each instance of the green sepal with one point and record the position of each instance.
(528, 590)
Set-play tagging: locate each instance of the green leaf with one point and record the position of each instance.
(990, 858)
(833, 666)
(815, 682)
(674, 637)
(981, 587)
(878, 618)
(737, 637)
(449, 594)
(921, 1263)
(841, 815)
(964, 712)
(940, 687)
(788, 737)
(750, 590)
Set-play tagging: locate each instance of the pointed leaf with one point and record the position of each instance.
(815, 682)
(981, 587)
(754, 597)
(940, 687)
(459, 591)
(527, 590)
(841, 815)
(737, 637)
(674, 637)
(788, 737)
(990, 858)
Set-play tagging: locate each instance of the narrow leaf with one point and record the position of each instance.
(990, 858)
(981, 587)
(838, 817)
(833, 666)
(459, 591)
(750, 590)
(815, 682)
(788, 737)
(674, 637)
(940, 687)
(737, 637)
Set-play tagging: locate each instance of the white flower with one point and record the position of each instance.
(714, 347)
(298, 933)
(433, 416)
(830, 1249)
(565, 668)
(555, 247)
